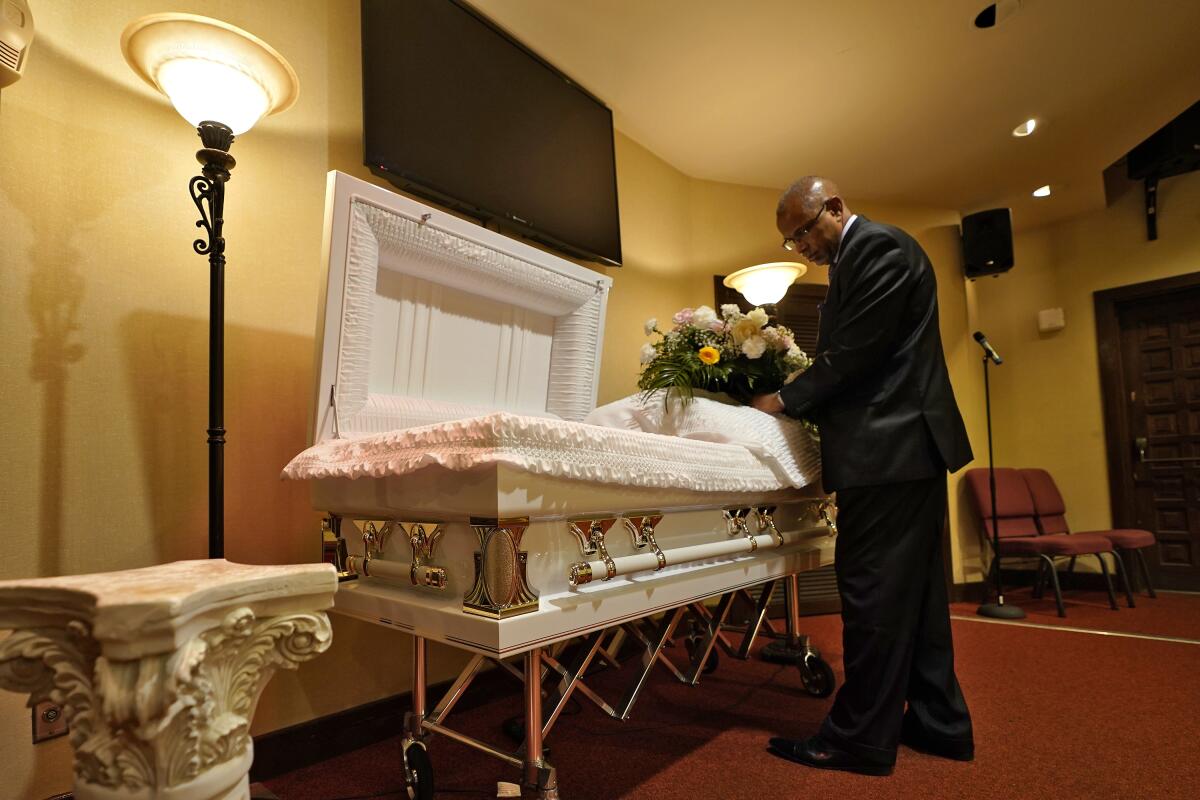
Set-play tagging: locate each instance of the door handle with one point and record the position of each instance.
(1142, 442)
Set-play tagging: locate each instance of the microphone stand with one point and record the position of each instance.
(996, 610)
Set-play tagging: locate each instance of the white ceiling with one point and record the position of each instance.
(898, 100)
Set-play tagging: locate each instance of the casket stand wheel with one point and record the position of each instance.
(418, 770)
(816, 674)
(694, 644)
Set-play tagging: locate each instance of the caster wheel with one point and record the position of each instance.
(418, 772)
(693, 648)
(816, 675)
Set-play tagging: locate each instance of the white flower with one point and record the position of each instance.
(797, 359)
(742, 330)
(758, 316)
(650, 325)
(703, 316)
(647, 354)
(754, 347)
(730, 311)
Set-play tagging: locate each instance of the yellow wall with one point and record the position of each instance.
(1046, 396)
(103, 367)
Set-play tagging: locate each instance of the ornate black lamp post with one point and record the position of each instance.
(208, 192)
(222, 80)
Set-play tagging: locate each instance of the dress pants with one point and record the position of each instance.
(896, 622)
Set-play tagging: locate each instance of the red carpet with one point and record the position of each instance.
(1170, 614)
(1057, 714)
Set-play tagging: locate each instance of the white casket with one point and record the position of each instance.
(455, 368)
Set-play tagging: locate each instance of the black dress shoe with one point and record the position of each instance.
(816, 752)
(956, 749)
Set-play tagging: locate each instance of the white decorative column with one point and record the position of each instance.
(158, 670)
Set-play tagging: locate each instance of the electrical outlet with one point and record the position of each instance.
(49, 721)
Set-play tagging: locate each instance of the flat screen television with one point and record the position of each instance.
(457, 111)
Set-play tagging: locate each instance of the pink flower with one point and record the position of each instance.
(682, 317)
(716, 327)
(787, 343)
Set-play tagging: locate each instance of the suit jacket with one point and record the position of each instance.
(878, 387)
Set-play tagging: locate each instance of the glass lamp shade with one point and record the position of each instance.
(765, 283)
(210, 70)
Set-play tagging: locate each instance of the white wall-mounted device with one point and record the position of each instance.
(1050, 320)
(16, 34)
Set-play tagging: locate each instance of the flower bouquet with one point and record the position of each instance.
(738, 354)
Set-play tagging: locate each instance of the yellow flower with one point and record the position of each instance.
(709, 355)
(758, 317)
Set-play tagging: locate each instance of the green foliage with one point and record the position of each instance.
(753, 357)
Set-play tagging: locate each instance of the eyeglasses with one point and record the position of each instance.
(790, 242)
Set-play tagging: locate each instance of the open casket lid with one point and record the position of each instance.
(427, 317)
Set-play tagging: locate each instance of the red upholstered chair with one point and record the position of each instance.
(1018, 531)
(1051, 515)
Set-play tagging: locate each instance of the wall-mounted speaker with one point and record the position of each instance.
(987, 242)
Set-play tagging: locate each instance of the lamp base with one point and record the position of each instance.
(1000, 611)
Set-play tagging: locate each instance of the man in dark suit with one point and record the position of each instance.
(880, 393)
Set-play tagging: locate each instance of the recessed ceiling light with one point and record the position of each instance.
(1025, 128)
(1042, 191)
(995, 13)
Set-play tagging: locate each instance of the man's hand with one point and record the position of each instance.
(769, 403)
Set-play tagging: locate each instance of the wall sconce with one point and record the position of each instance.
(222, 80)
(763, 284)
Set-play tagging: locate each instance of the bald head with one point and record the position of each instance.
(810, 215)
(808, 193)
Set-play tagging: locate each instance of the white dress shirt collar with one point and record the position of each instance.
(842, 237)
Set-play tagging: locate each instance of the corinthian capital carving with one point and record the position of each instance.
(150, 720)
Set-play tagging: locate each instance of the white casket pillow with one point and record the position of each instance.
(782, 443)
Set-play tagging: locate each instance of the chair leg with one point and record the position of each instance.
(1062, 612)
(1039, 582)
(1145, 572)
(1071, 572)
(1112, 597)
(1123, 574)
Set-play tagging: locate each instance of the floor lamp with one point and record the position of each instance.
(764, 285)
(222, 80)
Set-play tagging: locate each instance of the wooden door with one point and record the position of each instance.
(1153, 426)
(1160, 367)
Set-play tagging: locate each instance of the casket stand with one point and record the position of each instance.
(471, 505)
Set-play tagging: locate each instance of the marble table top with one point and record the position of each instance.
(162, 605)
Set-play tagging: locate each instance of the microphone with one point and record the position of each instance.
(987, 348)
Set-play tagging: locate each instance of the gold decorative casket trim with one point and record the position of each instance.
(501, 587)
